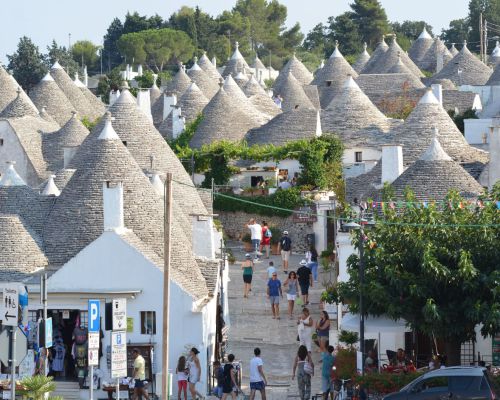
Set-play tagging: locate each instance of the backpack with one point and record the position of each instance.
(268, 233)
(286, 243)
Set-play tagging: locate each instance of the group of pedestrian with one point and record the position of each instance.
(188, 373)
(260, 236)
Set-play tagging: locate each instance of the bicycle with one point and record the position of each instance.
(342, 393)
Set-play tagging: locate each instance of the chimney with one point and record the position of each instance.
(168, 102)
(214, 61)
(144, 102)
(113, 96)
(50, 188)
(203, 236)
(112, 194)
(319, 131)
(127, 72)
(437, 90)
(69, 153)
(139, 70)
(439, 61)
(85, 77)
(158, 185)
(178, 122)
(392, 162)
(494, 166)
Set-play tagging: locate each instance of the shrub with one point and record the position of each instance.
(384, 382)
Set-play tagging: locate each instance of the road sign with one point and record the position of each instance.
(10, 304)
(94, 315)
(118, 354)
(119, 314)
(93, 340)
(93, 357)
(48, 333)
(21, 346)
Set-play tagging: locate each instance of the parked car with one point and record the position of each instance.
(460, 383)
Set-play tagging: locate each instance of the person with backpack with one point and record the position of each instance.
(265, 244)
(229, 383)
(285, 245)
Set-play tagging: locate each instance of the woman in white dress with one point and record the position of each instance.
(305, 323)
(194, 373)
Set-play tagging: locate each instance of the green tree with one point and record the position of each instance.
(85, 53)
(62, 56)
(491, 12)
(435, 266)
(112, 81)
(27, 64)
(111, 54)
(344, 29)
(137, 23)
(457, 32)
(37, 386)
(315, 39)
(371, 19)
(408, 31)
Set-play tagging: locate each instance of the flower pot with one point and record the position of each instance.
(275, 249)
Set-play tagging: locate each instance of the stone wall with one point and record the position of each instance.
(234, 223)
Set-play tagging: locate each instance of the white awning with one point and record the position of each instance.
(382, 324)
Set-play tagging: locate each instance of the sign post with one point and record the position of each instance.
(118, 357)
(94, 313)
(10, 316)
(119, 314)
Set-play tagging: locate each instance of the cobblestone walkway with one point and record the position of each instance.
(252, 326)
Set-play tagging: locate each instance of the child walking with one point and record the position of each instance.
(182, 377)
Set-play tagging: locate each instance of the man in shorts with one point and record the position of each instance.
(305, 279)
(285, 246)
(139, 374)
(274, 293)
(256, 236)
(257, 378)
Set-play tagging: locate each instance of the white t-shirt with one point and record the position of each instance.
(270, 271)
(255, 231)
(255, 375)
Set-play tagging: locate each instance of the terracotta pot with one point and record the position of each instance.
(275, 249)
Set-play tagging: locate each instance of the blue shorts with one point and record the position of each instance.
(139, 384)
(257, 385)
(274, 299)
(326, 384)
(218, 391)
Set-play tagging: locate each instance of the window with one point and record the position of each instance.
(1, 142)
(465, 382)
(124, 143)
(358, 156)
(84, 318)
(434, 384)
(148, 322)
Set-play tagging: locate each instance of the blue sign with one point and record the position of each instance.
(48, 333)
(94, 315)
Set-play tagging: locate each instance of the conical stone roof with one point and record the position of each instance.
(19, 107)
(473, 71)
(351, 112)
(241, 79)
(298, 70)
(147, 146)
(361, 60)
(253, 87)
(399, 67)
(260, 99)
(180, 82)
(8, 88)
(390, 59)
(223, 119)
(453, 50)
(286, 127)
(494, 79)
(154, 93)
(72, 92)
(257, 63)
(429, 61)
(21, 253)
(418, 130)
(420, 47)
(293, 94)
(235, 64)
(48, 94)
(206, 84)
(238, 97)
(47, 117)
(95, 102)
(207, 66)
(335, 70)
(434, 174)
(376, 56)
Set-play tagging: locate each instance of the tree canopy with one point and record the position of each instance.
(27, 64)
(62, 56)
(436, 267)
(85, 53)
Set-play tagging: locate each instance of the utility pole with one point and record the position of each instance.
(166, 281)
(361, 300)
(485, 41)
(13, 333)
(481, 37)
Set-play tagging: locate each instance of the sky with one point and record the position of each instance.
(44, 20)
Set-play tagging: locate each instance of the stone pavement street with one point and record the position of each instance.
(252, 326)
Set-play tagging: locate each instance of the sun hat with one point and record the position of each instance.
(303, 262)
(285, 232)
(248, 255)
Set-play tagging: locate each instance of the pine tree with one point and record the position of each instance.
(371, 19)
(27, 64)
(111, 55)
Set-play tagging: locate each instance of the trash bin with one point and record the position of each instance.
(311, 239)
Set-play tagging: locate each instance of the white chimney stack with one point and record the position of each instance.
(168, 103)
(112, 194)
(214, 61)
(203, 237)
(319, 131)
(144, 102)
(139, 70)
(85, 77)
(113, 96)
(392, 162)
(178, 122)
(494, 166)
(437, 90)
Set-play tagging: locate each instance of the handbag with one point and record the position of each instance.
(308, 368)
(299, 301)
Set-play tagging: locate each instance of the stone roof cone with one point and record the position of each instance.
(223, 119)
(20, 107)
(207, 66)
(47, 117)
(298, 70)
(429, 61)
(204, 82)
(494, 79)
(238, 97)
(293, 94)
(453, 50)
(380, 50)
(95, 102)
(434, 174)
(257, 63)
(180, 82)
(420, 47)
(8, 88)
(236, 63)
(259, 98)
(352, 111)
(154, 92)
(399, 68)
(48, 94)
(361, 60)
(473, 71)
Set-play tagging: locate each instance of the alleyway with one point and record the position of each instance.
(252, 326)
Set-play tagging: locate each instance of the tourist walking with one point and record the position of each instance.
(292, 286)
(139, 375)
(326, 371)
(247, 267)
(182, 377)
(312, 261)
(274, 292)
(265, 245)
(258, 380)
(270, 270)
(218, 375)
(303, 367)
(305, 324)
(285, 245)
(194, 372)
(305, 281)
(255, 236)
(323, 331)
(229, 386)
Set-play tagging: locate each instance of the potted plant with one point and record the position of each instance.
(275, 240)
(247, 242)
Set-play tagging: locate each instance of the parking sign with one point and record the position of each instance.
(94, 315)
